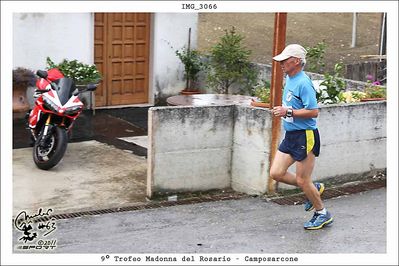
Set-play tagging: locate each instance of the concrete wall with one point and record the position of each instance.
(353, 140)
(170, 34)
(251, 149)
(190, 148)
(202, 148)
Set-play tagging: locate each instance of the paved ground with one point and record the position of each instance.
(104, 166)
(249, 225)
(92, 175)
(106, 126)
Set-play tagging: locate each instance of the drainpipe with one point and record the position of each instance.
(280, 24)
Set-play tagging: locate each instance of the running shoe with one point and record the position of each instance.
(318, 221)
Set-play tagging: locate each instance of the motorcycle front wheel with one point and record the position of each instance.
(48, 154)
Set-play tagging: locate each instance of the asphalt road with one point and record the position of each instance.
(249, 225)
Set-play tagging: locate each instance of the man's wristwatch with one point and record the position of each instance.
(290, 112)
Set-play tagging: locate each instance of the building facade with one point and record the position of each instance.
(135, 52)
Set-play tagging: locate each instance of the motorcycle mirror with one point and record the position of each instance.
(42, 74)
(91, 87)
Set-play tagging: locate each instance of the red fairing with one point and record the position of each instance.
(77, 100)
(41, 84)
(51, 94)
(54, 74)
(34, 117)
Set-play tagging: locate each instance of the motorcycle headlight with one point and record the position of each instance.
(72, 110)
(50, 104)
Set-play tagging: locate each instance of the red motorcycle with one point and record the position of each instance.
(57, 106)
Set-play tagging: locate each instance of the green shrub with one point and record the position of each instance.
(376, 91)
(229, 64)
(334, 85)
(191, 60)
(262, 91)
(81, 73)
(315, 57)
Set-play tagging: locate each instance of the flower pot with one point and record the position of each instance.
(189, 92)
(20, 102)
(260, 104)
(372, 99)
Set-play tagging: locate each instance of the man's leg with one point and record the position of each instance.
(279, 168)
(304, 171)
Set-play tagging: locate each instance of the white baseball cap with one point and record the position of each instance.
(292, 50)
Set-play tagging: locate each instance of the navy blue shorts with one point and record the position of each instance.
(299, 143)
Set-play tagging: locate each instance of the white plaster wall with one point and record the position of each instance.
(71, 36)
(170, 33)
(57, 35)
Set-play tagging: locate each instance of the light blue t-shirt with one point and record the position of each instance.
(299, 93)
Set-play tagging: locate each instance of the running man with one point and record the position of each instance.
(301, 143)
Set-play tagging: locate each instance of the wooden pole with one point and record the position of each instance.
(280, 25)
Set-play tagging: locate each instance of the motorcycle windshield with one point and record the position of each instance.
(65, 88)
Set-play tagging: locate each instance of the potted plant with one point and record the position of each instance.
(374, 91)
(81, 73)
(352, 96)
(191, 60)
(229, 65)
(22, 79)
(262, 94)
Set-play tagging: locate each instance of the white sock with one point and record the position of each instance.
(323, 211)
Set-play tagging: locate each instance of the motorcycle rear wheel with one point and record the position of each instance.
(50, 154)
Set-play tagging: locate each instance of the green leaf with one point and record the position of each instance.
(81, 73)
